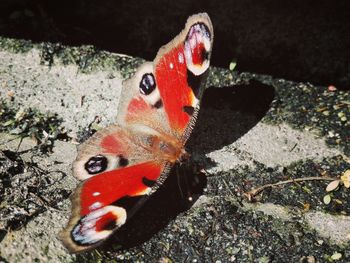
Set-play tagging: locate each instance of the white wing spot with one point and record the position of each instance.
(96, 194)
(95, 206)
(171, 65)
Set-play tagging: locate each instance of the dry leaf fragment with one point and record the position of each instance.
(332, 185)
(346, 178)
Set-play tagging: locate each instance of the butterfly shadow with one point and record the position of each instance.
(227, 113)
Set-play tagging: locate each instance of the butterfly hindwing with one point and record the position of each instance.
(109, 149)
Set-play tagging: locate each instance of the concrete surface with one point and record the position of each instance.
(239, 149)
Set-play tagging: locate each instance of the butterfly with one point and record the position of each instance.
(132, 158)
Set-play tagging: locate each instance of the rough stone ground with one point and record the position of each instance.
(252, 130)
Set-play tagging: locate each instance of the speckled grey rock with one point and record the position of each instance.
(61, 89)
(234, 224)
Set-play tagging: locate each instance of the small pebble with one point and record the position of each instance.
(326, 199)
(336, 256)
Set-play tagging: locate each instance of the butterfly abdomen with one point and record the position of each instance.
(165, 148)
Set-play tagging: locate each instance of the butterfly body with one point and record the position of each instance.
(132, 158)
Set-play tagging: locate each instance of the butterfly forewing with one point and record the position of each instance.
(100, 203)
(166, 93)
(181, 68)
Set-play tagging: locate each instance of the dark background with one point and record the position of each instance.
(299, 40)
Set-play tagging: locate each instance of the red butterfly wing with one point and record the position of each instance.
(98, 207)
(109, 149)
(165, 95)
(181, 69)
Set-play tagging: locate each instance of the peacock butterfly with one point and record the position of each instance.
(156, 114)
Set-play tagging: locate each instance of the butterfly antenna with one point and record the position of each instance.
(179, 181)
